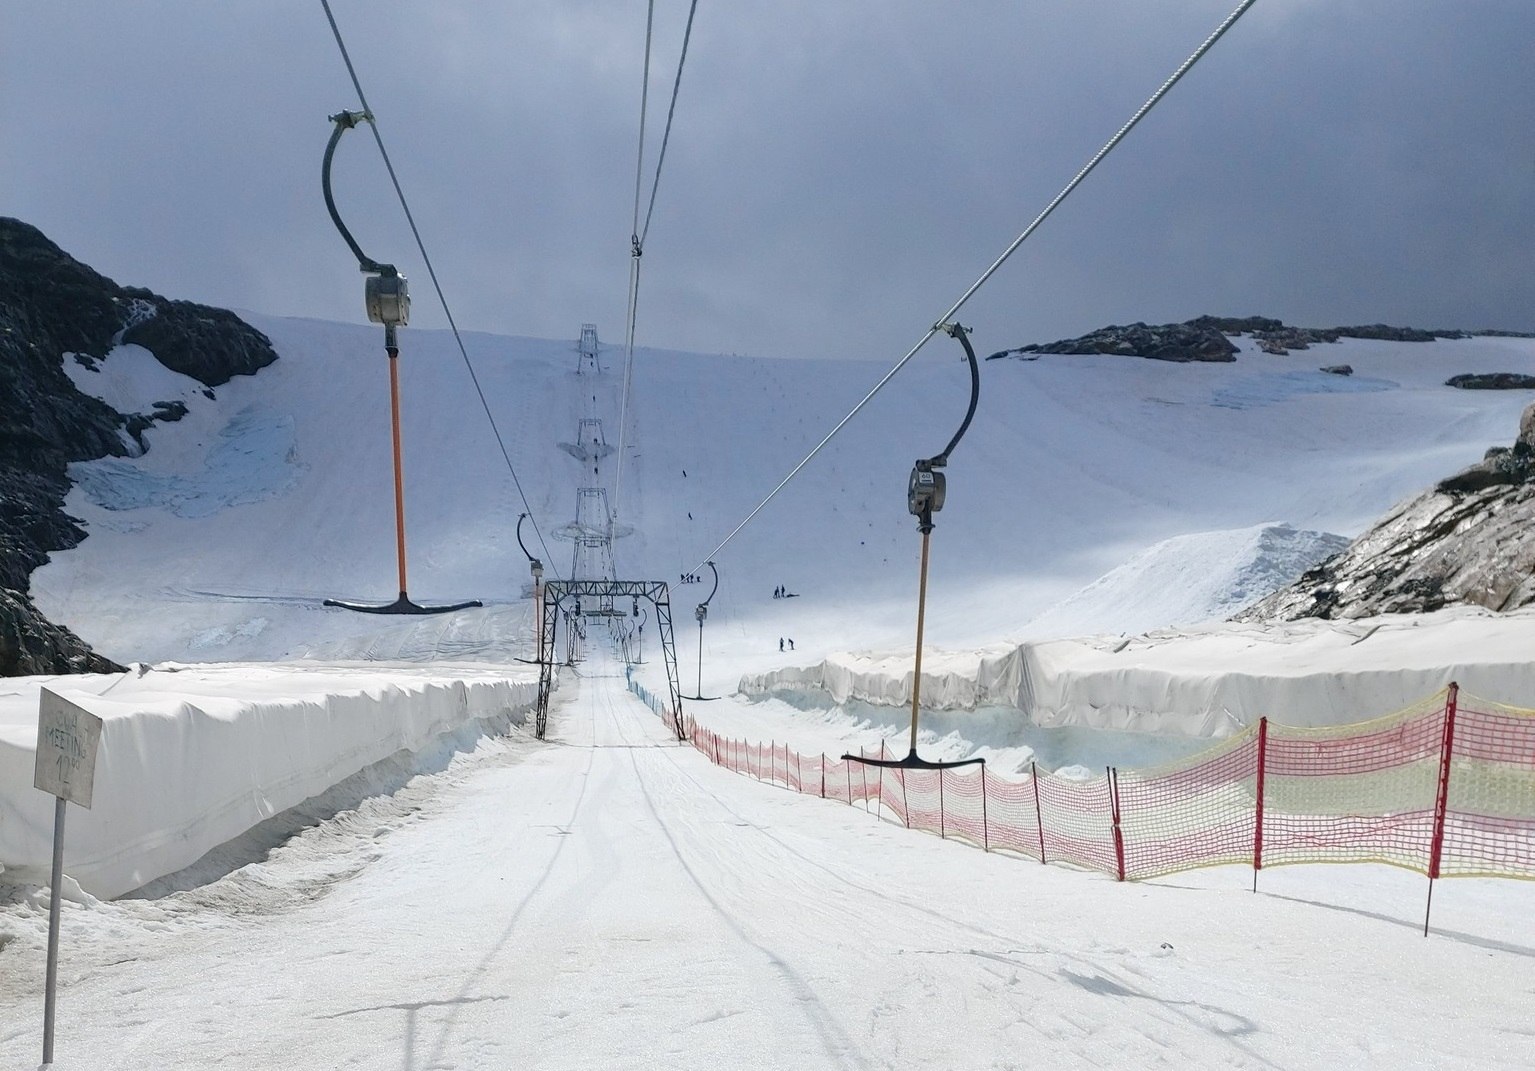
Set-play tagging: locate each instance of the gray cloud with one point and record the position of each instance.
(839, 173)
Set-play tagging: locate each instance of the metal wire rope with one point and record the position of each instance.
(432, 274)
(939, 324)
(640, 233)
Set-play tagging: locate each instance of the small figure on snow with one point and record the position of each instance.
(791, 645)
(780, 644)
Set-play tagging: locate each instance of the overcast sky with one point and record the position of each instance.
(839, 172)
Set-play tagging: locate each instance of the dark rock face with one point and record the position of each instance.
(1338, 369)
(1492, 381)
(30, 646)
(1469, 540)
(52, 305)
(1193, 341)
(1206, 338)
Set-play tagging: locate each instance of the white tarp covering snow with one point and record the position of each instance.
(1201, 682)
(193, 756)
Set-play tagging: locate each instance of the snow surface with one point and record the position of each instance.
(448, 896)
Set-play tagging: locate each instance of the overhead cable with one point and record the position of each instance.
(432, 273)
(641, 232)
(945, 318)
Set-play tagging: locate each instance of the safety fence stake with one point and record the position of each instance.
(1039, 817)
(942, 835)
(1442, 797)
(823, 775)
(900, 776)
(1263, 751)
(985, 831)
(863, 766)
(1119, 837)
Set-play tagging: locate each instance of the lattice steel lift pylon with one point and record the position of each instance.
(604, 591)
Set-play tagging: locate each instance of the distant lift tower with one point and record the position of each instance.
(588, 360)
(591, 446)
(593, 533)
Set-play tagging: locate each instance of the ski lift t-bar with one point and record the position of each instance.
(387, 295)
(924, 497)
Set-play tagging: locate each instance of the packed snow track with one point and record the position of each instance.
(608, 899)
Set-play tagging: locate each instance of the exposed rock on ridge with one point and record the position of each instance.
(1207, 338)
(1469, 540)
(30, 646)
(52, 305)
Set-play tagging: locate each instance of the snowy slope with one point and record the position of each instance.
(221, 541)
(1189, 579)
(604, 899)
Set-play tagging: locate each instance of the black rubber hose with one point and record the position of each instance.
(975, 393)
(520, 518)
(344, 121)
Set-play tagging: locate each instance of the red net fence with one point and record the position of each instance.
(1445, 788)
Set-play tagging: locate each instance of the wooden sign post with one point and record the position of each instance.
(67, 739)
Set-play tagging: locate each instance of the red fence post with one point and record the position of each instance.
(985, 832)
(799, 775)
(1119, 837)
(1263, 752)
(848, 769)
(1442, 797)
(1039, 815)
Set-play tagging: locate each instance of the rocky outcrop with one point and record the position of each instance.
(1469, 540)
(1192, 341)
(30, 646)
(52, 306)
(1492, 381)
(1207, 338)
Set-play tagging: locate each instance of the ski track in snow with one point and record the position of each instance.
(611, 899)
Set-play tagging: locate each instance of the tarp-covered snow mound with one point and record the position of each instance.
(1209, 681)
(193, 756)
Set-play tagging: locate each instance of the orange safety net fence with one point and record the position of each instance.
(1445, 787)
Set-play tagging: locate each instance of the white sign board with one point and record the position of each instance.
(67, 736)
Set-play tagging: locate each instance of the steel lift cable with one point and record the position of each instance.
(431, 272)
(642, 231)
(701, 612)
(388, 303)
(947, 317)
(636, 251)
(924, 497)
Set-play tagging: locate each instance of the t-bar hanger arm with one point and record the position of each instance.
(346, 121)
